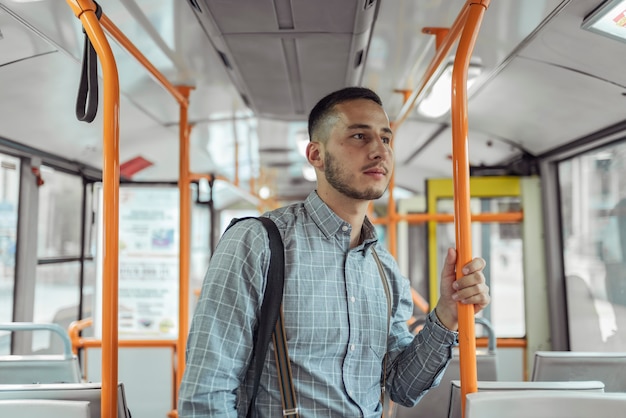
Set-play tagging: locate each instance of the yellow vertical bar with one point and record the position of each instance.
(85, 11)
(433, 266)
(460, 171)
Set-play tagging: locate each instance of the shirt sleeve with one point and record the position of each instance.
(415, 363)
(219, 346)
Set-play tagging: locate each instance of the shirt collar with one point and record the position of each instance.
(330, 224)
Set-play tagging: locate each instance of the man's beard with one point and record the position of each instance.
(338, 179)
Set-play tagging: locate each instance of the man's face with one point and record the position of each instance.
(357, 157)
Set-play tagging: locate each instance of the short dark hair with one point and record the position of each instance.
(325, 106)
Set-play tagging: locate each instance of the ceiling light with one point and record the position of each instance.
(264, 192)
(437, 101)
(609, 19)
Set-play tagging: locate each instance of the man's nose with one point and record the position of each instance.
(380, 149)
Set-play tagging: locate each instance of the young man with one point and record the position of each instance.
(334, 302)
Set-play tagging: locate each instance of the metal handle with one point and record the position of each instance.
(491, 337)
(31, 326)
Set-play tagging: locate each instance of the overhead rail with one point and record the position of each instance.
(465, 28)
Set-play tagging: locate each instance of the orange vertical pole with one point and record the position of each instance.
(392, 216)
(392, 223)
(85, 11)
(185, 237)
(460, 168)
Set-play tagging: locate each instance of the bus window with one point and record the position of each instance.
(9, 192)
(593, 213)
(57, 282)
(60, 202)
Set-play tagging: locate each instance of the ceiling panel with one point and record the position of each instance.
(18, 42)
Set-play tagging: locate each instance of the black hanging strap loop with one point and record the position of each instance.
(87, 99)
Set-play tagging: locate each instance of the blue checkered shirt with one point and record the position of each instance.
(335, 312)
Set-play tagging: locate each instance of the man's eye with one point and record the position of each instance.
(386, 140)
(359, 136)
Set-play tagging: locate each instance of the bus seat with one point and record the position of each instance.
(607, 367)
(545, 404)
(90, 392)
(435, 402)
(508, 386)
(40, 368)
(37, 408)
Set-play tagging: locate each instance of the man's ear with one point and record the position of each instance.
(314, 155)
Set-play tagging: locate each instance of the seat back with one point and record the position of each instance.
(455, 407)
(90, 392)
(434, 404)
(39, 369)
(49, 368)
(545, 404)
(609, 368)
(38, 408)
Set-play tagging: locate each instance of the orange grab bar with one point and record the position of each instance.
(117, 34)
(443, 47)
(85, 11)
(466, 27)
(415, 218)
(460, 168)
(79, 342)
(503, 342)
(185, 239)
(181, 94)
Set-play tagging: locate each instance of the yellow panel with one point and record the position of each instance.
(481, 187)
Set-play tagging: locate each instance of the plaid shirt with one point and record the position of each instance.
(335, 312)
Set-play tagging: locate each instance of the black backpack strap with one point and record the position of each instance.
(269, 321)
(270, 308)
(272, 300)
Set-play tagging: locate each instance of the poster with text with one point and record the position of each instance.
(148, 263)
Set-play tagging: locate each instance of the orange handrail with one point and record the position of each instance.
(181, 94)
(392, 221)
(117, 34)
(466, 27)
(74, 332)
(185, 239)
(79, 342)
(461, 176)
(110, 294)
(85, 11)
(416, 218)
(443, 48)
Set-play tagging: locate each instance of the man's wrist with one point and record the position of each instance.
(441, 323)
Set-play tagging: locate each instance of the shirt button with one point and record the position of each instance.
(352, 299)
(352, 347)
(344, 228)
